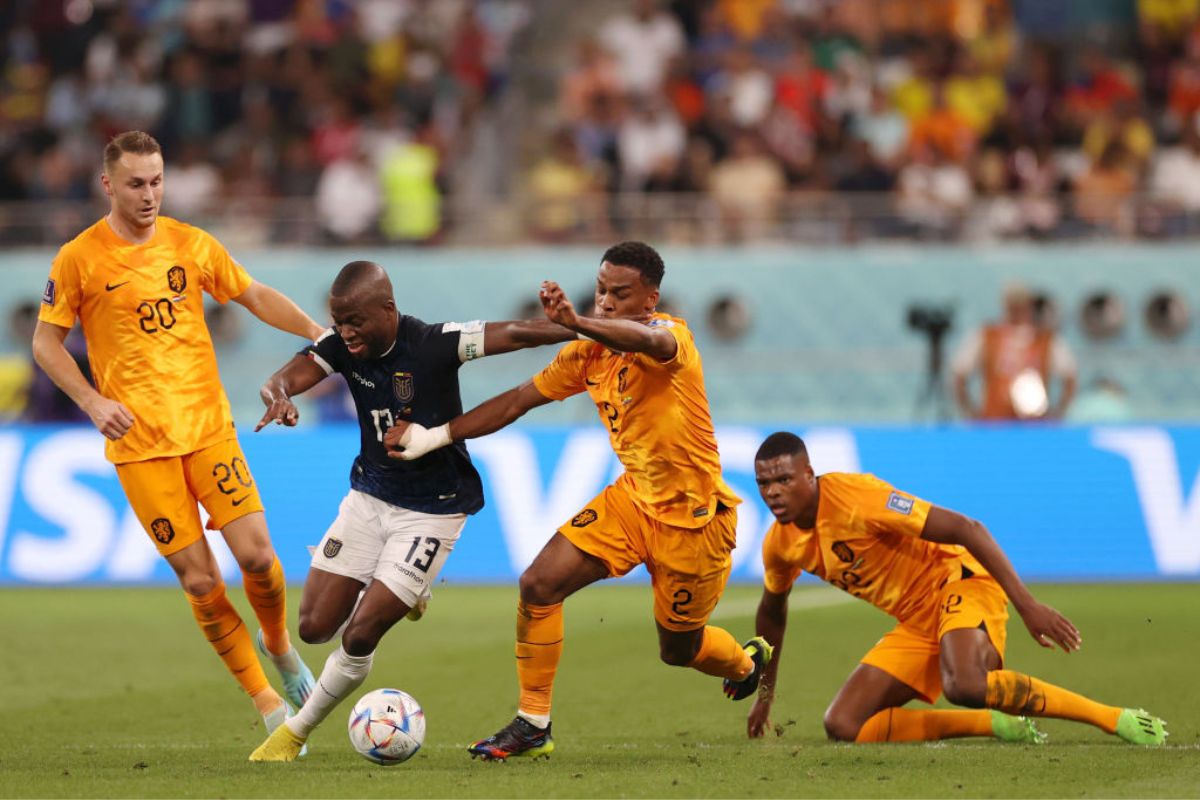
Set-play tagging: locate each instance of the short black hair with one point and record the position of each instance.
(354, 275)
(781, 443)
(639, 255)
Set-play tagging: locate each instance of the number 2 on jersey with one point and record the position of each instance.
(379, 415)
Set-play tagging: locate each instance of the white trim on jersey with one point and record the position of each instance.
(322, 363)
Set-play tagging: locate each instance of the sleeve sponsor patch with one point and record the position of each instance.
(899, 503)
(662, 323)
(48, 292)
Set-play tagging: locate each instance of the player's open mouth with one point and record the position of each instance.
(355, 347)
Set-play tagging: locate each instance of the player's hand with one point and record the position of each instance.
(1048, 628)
(408, 441)
(759, 721)
(110, 417)
(557, 306)
(280, 409)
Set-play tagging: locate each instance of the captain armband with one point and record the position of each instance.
(470, 338)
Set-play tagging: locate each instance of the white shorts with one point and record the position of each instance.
(402, 549)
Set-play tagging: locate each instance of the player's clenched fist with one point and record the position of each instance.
(557, 306)
(408, 441)
(110, 417)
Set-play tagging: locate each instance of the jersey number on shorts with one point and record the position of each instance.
(234, 470)
(379, 415)
(161, 311)
(425, 560)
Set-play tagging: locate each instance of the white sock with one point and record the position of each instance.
(288, 662)
(343, 674)
(539, 721)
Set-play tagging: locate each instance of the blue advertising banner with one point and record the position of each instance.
(1065, 503)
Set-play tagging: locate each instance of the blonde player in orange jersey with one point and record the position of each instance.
(945, 580)
(135, 281)
(669, 510)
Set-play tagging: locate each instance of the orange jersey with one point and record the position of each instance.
(142, 311)
(867, 541)
(656, 413)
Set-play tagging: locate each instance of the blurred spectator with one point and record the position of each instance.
(45, 402)
(1125, 126)
(747, 86)
(643, 40)
(1176, 181)
(195, 184)
(650, 142)
(412, 197)
(934, 193)
(595, 74)
(348, 199)
(884, 129)
(1102, 191)
(562, 192)
(1017, 361)
(748, 187)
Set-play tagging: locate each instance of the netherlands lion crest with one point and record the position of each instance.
(402, 385)
(177, 279)
(162, 530)
(843, 552)
(584, 518)
(332, 547)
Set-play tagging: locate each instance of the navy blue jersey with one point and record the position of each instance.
(416, 380)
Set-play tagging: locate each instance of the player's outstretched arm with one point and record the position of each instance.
(407, 441)
(505, 337)
(277, 310)
(1046, 626)
(298, 375)
(623, 335)
(111, 418)
(771, 624)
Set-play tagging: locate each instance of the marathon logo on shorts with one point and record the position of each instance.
(162, 530)
(900, 504)
(332, 547)
(48, 293)
(843, 552)
(584, 518)
(402, 385)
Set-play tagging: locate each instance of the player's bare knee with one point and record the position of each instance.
(313, 630)
(198, 583)
(535, 590)
(967, 690)
(257, 560)
(839, 727)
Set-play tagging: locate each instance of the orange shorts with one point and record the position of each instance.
(910, 651)
(688, 566)
(163, 492)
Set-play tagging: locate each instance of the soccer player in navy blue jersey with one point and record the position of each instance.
(401, 519)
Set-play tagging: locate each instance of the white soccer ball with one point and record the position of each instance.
(387, 726)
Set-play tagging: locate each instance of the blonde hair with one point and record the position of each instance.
(138, 142)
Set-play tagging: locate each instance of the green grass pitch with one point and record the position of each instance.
(112, 693)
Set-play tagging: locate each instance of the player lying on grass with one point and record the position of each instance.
(948, 583)
(669, 510)
(401, 519)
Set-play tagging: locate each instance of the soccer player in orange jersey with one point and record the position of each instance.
(135, 282)
(945, 580)
(669, 510)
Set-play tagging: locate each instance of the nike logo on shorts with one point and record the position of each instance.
(240, 500)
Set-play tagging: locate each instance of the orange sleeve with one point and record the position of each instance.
(885, 509)
(778, 572)
(63, 293)
(686, 353)
(224, 277)
(563, 377)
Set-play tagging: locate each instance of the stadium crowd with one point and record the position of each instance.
(937, 119)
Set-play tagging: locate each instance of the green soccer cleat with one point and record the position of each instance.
(760, 652)
(298, 684)
(1020, 730)
(1138, 726)
(281, 744)
(273, 721)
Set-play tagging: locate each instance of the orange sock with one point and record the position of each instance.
(1017, 693)
(917, 725)
(267, 593)
(721, 655)
(539, 646)
(228, 635)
